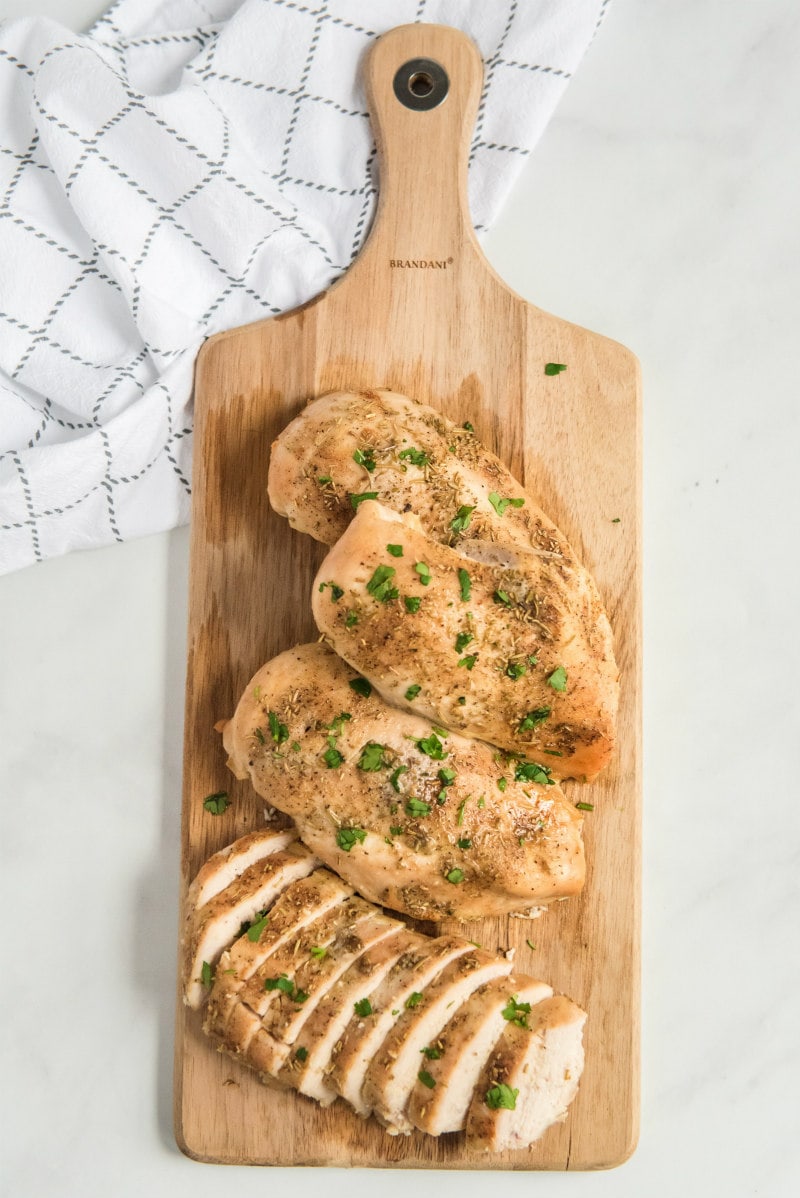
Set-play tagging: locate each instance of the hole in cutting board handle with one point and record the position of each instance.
(421, 84)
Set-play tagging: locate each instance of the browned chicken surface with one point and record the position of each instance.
(346, 448)
(417, 819)
(465, 644)
(325, 994)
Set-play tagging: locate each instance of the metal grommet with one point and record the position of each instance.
(421, 84)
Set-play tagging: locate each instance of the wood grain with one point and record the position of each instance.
(456, 337)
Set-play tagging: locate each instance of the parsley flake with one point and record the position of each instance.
(432, 1053)
(462, 640)
(462, 518)
(206, 974)
(351, 619)
(371, 758)
(531, 945)
(283, 983)
(426, 1079)
(502, 1097)
(324, 479)
(336, 590)
(412, 692)
(279, 731)
(355, 500)
(533, 719)
(380, 585)
(332, 758)
(558, 679)
(413, 1000)
(363, 1007)
(424, 573)
(217, 803)
(515, 670)
(500, 504)
(468, 661)
(432, 747)
(456, 876)
(416, 808)
(365, 458)
(347, 837)
(396, 830)
(395, 778)
(319, 953)
(501, 784)
(465, 582)
(302, 1053)
(415, 456)
(361, 687)
(468, 426)
(395, 550)
(502, 597)
(446, 776)
(585, 806)
(257, 927)
(531, 771)
(553, 368)
(464, 843)
(516, 1012)
(412, 603)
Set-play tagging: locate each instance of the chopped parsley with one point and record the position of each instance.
(396, 830)
(355, 500)
(206, 974)
(585, 806)
(395, 550)
(462, 640)
(413, 1000)
(347, 837)
(260, 737)
(412, 692)
(501, 784)
(365, 458)
(531, 771)
(515, 670)
(500, 504)
(461, 806)
(464, 843)
(465, 582)
(468, 426)
(616, 520)
(302, 1053)
(531, 945)
(416, 808)
(395, 778)
(319, 953)
(217, 803)
(257, 927)
(468, 661)
(257, 693)
(415, 456)
(332, 758)
(324, 479)
(426, 1079)
(456, 876)
(462, 699)
(516, 1012)
(558, 679)
(446, 776)
(461, 520)
(363, 1007)
(424, 573)
(361, 687)
(432, 747)
(351, 619)
(553, 368)
(502, 597)
(380, 585)
(279, 731)
(371, 758)
(481, 802)
(412, 603)
(533, 719)
(336, 590)
(283, 983)
(502, 1097)
(533, 660)
(432, 1053)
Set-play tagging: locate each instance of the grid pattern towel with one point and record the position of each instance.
(187, 166)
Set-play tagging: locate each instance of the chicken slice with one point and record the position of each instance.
(301, 904)
(530, 1079)
(490, 651)
(401, 990)
(460, 1051)
(305, 1070)
(231, 862)
(425, 823)
(215, 925)
(400, 1062)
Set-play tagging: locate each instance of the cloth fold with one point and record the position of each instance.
(183, 168)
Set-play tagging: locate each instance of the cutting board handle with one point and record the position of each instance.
(423, 210)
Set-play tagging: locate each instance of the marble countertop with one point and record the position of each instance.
(660, 209)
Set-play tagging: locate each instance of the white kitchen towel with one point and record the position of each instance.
(187, 166)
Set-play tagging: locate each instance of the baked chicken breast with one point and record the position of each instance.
(416, 819)
(346, 448)
(490, 651)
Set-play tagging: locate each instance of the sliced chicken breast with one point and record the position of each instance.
(305, 1069)
(400, 1061)
(530, 1079)
(301, 904)
(424, 822)
(216, 924)
(459, 1053)
(230, 863)
(401, 990)
(491, 651)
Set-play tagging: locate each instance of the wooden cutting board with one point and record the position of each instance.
(423, 313)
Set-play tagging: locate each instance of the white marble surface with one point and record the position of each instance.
(661, 209)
